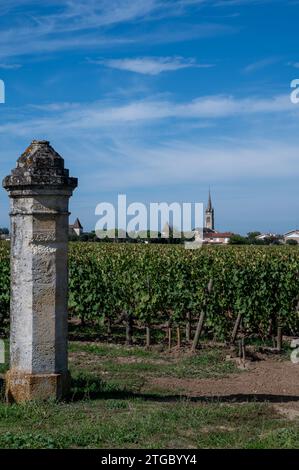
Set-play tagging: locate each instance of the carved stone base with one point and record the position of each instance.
(28, 387)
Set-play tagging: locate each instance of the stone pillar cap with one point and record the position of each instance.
(39, 166)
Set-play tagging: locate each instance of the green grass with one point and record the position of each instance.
(136, 368)
(132, 423)
(112, 350)
(114, 404)
(191, 367)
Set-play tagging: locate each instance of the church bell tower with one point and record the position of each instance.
(209, 214)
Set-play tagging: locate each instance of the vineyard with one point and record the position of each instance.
(168, 288)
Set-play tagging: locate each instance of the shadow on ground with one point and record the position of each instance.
(94, 388)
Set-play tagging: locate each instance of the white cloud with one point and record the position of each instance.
(97, 115)
(72, 24)
(179, 162)
(151, 65)
(68, 24)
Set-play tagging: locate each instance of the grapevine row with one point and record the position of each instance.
(152, 285)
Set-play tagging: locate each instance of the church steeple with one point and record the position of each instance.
(209, 214)
(209, 206)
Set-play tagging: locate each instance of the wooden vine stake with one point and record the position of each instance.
(243, 350)
(129, 329)
(188, 326)
(198, 330)
(236, 328)
(109, 328)
(169, 336)
(178, 332)
(147, 328)
(279, 339)
(201, 320)
(148, 337)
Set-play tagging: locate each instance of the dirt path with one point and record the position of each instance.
(265, 381)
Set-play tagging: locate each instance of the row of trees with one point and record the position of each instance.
(251, 239)
(148, 237)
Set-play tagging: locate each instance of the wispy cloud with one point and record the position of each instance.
(243, 2)
(294, 64)
(260, 64)
(10, 66)
(69, 24)
(98, 115)
(180, 162)
(151, 65)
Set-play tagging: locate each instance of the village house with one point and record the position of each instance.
(76, 229)
(4, 234)
(217, 238)
(265, 236)
(292, 235)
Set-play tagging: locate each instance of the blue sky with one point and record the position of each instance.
(159, 99)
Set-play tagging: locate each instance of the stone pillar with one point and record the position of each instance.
(39, 189)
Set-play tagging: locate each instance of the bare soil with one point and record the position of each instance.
(270, 380)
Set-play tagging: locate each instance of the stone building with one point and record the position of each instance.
(292, 235)
(217, 238)
(76, 229)
(167, 231)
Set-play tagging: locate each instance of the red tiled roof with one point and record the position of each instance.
(218, 235)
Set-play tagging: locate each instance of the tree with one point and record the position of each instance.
(238, 240)
(253, 240)
(253, 235)
(272, 240)
(4, 231)
(291, 242)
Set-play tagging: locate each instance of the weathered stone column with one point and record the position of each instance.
(39, 189)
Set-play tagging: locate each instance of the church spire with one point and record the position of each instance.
(209, 206)
(209, 214)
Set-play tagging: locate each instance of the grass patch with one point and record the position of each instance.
(129, 362)
(131, 423)
(113, 404)
(112, 350)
